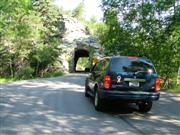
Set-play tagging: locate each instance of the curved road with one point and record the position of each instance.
(57, 106)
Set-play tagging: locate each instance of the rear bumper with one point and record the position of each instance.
(129, 95)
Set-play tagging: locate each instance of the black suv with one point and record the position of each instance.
(123, 78)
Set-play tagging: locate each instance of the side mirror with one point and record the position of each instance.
(87, 69)
(92, 69)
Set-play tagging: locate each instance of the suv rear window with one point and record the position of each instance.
(126, 64)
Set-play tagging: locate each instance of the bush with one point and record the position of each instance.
(43, 56)
(25, 73)
(54, 74)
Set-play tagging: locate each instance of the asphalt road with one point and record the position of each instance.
(57, 106)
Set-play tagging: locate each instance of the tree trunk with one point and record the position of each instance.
(11, 68)
(37, 68)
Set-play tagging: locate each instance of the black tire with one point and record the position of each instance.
(97, 102)
(86, 89)
(145, 107)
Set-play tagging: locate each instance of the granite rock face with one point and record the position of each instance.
(77, 42)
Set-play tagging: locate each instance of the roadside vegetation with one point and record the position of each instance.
(30, 33)
(82, 64)
(149, 29)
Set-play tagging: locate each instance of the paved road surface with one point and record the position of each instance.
(57, 106)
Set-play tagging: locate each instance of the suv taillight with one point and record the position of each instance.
(157, 85)
(107, 82)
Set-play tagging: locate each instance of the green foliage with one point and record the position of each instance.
(78, 12)
(54, 74)
(143, 28)
(83, 63)
(30, 32)
(43, 56)
(65, 12)
(25, 73)
(5, 80)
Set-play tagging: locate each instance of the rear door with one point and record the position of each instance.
(95, 74)
(98, 73)
(132, 74)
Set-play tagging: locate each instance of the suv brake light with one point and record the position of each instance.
(157, 85)
(132, 57)
(107, 82)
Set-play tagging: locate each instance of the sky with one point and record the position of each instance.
(92, 7)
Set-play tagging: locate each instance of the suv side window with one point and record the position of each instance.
(102, 65)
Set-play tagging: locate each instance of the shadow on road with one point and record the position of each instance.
(58, 106)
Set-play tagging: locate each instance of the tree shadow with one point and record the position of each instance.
(58, 106)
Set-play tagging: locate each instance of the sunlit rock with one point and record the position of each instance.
(77, 42)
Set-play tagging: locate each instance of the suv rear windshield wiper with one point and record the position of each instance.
(148, 72)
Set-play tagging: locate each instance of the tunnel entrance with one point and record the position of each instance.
(81, 60)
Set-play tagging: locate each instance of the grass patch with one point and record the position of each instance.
(47, 75)
(172, 85)
(5, 80)
(175, 89)
(53, 74)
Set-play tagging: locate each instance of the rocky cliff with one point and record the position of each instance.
(77, 42)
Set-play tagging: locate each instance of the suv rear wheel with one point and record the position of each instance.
(145, 106)
(97, 101)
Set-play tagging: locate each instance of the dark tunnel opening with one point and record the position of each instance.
(79, 53)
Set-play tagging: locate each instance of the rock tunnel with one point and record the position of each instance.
(79, 53)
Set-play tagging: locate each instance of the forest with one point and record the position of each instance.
(31, 32)
(145, 28)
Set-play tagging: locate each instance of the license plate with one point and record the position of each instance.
(134, 84)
